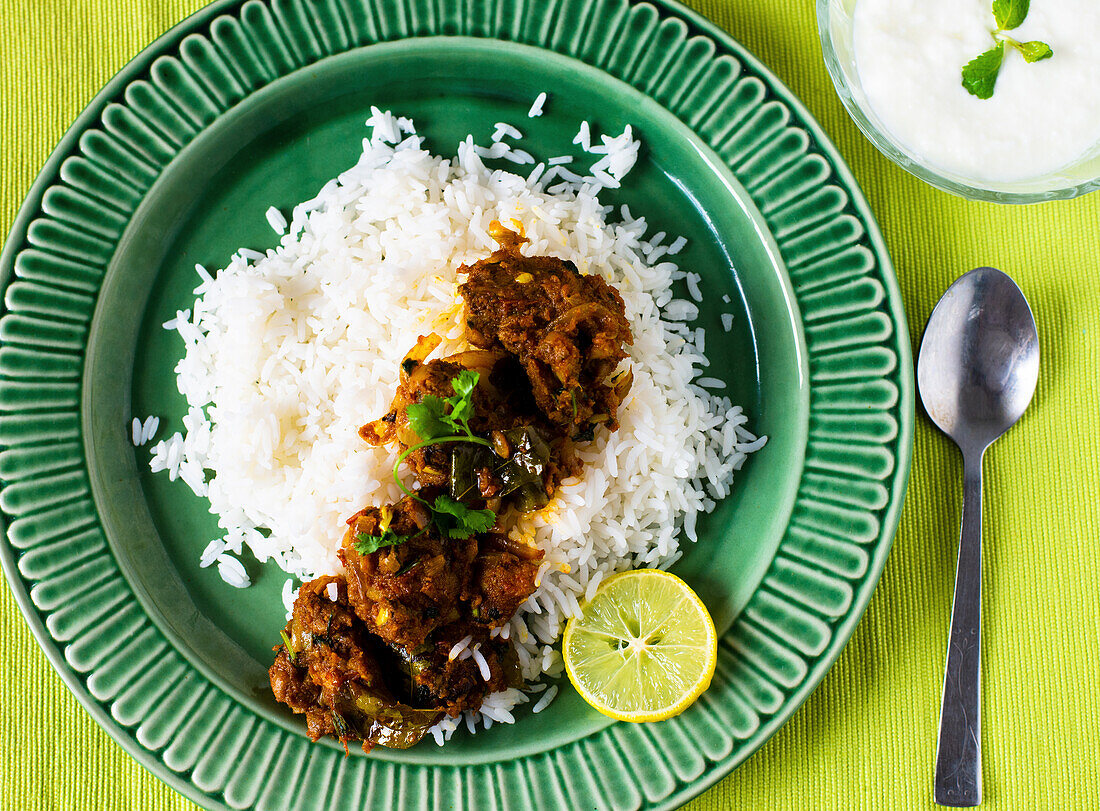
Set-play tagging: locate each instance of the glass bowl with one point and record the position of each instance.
(834, 26)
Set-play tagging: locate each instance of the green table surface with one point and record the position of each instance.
(867, 736)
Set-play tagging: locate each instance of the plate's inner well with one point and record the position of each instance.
(277, 148)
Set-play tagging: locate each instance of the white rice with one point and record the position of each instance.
(536, 107)
(519, 156)
(459, 646)
(142, 432)
(232, 571)
(504, 130)
(276, 220)
(482, 665)
(287, 353)
(547, 697)
(584, 136)
(288, 595)
(693, 280)
(211, 553)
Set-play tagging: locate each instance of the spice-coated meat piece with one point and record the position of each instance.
(459, 683)
(567, 329)
(406, 590)
(500, 583)
(519, 456)
(329, 669)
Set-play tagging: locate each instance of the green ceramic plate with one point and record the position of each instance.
(249, 105)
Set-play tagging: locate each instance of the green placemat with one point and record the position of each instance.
(867, 736)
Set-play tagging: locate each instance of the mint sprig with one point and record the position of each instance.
(979, 75)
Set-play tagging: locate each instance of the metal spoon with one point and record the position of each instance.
(978, 365)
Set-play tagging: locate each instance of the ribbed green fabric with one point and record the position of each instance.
(866, 738)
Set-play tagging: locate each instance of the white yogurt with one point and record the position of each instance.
(1042, 116)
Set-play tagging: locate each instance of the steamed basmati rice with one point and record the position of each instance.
(287, 353)
(142, 432)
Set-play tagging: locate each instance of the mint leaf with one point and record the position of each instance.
(365, 544)
(428, 419)
(456, 520)
(1034, 50)
(1009, 13)
(979, 75)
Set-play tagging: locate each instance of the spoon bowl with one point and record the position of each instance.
(979, 360)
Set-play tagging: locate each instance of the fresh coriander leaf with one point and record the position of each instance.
(1009, 13)
(465, 382)
(456, 520)
(461, 411)
(365, 544)
(1034, 50)
(979, 75)
(462, 405)
(430, 419)
(427, 418)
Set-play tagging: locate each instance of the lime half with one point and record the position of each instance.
(643, 648)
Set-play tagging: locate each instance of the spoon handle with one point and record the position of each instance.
(959, 755)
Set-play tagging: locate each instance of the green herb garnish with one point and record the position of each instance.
(430, 418)
(434, 424)
(456, 520)
(1034, 50)
(426, 418)
(289, 648)
(437, 420)
(365, 544)
(979, 75)
(1010, 13)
